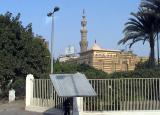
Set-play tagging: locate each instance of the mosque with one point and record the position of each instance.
(104, 59)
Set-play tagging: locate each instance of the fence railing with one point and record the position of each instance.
(44, 94)
(124, 94)
(112, 94)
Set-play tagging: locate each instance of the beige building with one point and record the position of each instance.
(66, 58)
(103, 59)
(108, 60)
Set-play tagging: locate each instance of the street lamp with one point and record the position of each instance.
(158, 49)
(51, 14)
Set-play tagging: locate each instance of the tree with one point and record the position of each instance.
(141, 28)
(21, 52)
(154, 7)
(71, 68)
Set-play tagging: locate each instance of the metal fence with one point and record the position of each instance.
(44, 94)
(124, 94)
(112, 94)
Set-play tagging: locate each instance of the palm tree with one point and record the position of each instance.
(154, 6)
(141, 28)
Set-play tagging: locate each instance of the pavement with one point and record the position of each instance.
(15, 108)
(18, 108)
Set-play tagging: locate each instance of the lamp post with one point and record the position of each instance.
(51, 14)
(158, 49)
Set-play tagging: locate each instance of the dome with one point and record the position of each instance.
(96, 47)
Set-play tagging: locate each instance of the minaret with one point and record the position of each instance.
(83, 43)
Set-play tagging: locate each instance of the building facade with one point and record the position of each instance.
(109, 60)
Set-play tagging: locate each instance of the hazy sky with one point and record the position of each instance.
(105, 18)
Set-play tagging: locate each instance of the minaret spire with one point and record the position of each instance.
(95, 41)
(83, 43)
(83, 12)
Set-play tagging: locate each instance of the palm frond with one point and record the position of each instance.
(139, 28)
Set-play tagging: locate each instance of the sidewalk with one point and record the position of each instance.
(15, 108)
(18, 108)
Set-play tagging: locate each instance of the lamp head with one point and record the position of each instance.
(49, 14)
(56, 8)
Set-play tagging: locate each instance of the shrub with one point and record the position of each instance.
(19, 87)
(142, 73)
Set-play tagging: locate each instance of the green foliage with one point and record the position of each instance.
(142, 65)
(21, 53)
(19, 87)
(90, 72)
(141, 73)
(145, 65)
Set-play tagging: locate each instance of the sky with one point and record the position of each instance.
(105, 21)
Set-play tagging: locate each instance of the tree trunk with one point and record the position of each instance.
(152, 54)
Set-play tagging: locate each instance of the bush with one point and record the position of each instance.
(142, 73)
(68, 68)
(92, 73)
(19, 87)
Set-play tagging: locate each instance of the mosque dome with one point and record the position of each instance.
(96, 47)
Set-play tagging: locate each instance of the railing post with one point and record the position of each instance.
(77, 105)
(29, 89)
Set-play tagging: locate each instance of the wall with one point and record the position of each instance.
(153, 112)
